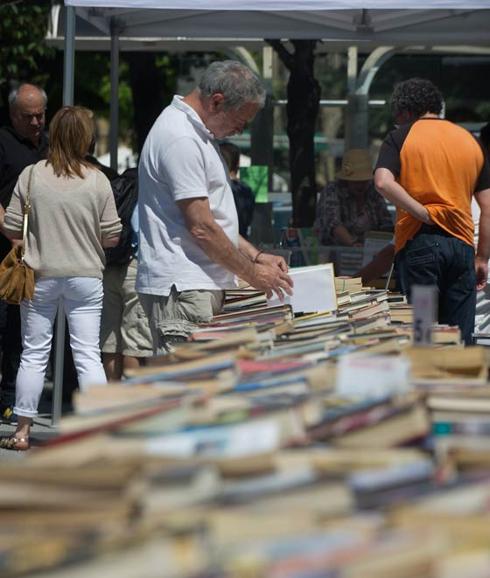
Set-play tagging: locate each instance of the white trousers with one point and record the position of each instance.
(82, 301)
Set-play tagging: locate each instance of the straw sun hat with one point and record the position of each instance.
(356, 166)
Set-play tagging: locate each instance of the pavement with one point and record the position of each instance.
(42, 428)
(40, 431)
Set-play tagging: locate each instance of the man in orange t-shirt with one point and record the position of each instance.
(430, 168)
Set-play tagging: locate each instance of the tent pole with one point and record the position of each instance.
(69, 56)
(114, 111)
(357, 129)
(352, 65)
(262, 129)
(68, 92)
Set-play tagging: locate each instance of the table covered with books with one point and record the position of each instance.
(272, 444)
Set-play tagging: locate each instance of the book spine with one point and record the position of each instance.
(354, 422)
(444, 428)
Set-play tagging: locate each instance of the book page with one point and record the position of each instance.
(314, 289)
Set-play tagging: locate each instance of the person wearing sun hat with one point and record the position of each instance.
(349, 207)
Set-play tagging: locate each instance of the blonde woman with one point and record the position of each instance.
(73, 217)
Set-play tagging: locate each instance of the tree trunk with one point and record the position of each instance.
(303, 92)
(148, 89)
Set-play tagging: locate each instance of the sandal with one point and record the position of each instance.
(13, 442)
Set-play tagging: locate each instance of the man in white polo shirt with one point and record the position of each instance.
(189, 246)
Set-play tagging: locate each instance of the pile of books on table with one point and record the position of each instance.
(244, 455)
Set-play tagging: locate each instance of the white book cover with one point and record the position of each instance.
(314, 289)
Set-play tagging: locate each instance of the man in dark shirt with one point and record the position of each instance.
(21, 144)
(430, 168)
(242, 193)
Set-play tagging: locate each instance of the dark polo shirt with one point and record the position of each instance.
(16, 153)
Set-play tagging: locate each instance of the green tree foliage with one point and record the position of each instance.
(23, 26)
(463, 80)
(93, 88)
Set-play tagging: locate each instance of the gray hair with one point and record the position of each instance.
(235, 81)
(15, 92)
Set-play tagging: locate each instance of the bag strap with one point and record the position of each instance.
(25, 211)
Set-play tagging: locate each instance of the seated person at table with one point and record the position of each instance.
(349, 207)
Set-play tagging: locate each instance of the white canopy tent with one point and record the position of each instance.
(363, 24)
(389, 24)
(375, 22)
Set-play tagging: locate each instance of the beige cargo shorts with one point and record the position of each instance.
(124, 326)
(174, 317)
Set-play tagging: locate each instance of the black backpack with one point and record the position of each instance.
(125, 189)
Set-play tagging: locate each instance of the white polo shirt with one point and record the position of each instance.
(181, 160)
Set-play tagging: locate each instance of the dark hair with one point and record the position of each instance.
(231, 154)
(416, 96)
(485, 136)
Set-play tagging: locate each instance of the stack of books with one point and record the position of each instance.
(240, 455)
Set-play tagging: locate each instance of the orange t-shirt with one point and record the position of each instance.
(440, 165)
